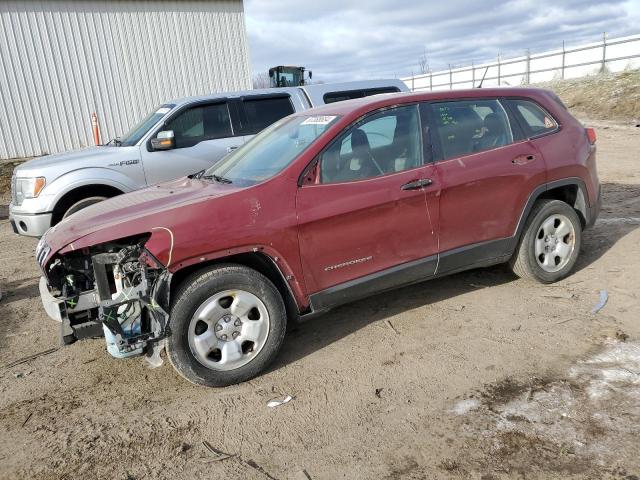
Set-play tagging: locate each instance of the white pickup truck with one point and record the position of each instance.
(178, 138)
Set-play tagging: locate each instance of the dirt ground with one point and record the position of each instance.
(479, 375)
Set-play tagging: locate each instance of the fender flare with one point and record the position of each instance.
(296, 288)
(581, 204)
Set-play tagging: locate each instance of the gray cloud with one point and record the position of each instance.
(346, 40)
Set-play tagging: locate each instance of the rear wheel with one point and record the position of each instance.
(227, 324)
(550, 243)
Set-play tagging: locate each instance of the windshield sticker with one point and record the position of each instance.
(319, 120)
(163, 110)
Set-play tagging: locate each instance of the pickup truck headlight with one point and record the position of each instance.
(28, 188)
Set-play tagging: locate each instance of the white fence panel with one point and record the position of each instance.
(614, 54)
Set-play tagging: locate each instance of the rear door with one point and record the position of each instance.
(203, 134)
(487, 170)
(371, 206)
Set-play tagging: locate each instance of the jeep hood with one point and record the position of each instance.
(52, 166)
(141, 211)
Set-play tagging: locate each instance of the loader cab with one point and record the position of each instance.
(287, 76)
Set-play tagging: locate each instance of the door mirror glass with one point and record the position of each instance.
(165, 140)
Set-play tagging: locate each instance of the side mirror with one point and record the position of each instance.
(310, 74)
(165, 140)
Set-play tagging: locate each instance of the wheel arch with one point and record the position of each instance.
(572, 191)
(573, 195)
(257, 261)
(80, 192)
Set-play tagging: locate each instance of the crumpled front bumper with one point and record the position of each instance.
(50, 303)
(59, 311)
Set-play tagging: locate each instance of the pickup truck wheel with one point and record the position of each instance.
(550, 243)
(80, 204)
(227, 324)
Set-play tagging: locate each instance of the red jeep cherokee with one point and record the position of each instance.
(322, 208)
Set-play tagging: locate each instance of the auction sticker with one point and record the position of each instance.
(319, 120)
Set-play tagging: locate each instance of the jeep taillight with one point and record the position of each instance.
(591, 135)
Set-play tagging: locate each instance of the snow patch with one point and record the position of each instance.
(465, 406)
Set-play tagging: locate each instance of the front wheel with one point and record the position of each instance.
(227, 324)
(82, 203)
(550, 243)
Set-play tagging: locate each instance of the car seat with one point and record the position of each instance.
(494, 134)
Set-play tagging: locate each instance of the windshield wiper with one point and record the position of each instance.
(217, 178)
(197, 175)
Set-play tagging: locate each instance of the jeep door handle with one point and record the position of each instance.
(417, 184)
(231, 148)
(523, 159)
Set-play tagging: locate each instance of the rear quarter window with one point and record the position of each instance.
(534, 119)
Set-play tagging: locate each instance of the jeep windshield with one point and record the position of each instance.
(269, 152)
(137, 132)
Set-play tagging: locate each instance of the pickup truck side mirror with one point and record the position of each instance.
(165, 140)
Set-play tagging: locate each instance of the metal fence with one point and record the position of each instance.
(607, 55)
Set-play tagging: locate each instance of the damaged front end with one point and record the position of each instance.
(117, 289)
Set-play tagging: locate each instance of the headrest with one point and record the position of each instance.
(359, 140)
(493, 123)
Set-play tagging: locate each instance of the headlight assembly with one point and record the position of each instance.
(28, 188)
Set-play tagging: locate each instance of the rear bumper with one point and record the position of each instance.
(594, 210)
(33, 225)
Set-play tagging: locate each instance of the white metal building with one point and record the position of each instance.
(60, 61)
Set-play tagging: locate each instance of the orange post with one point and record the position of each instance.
(96, 130)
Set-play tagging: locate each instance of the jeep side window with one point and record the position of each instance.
(197, 124)
(383, 143)
(262, 112)
(470, 126)
(536, 120)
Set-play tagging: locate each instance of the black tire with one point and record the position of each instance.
(82, 203)
(198, 288)
(524, 262)
(73, 201)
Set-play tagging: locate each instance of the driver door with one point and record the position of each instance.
(369, 220)
(203, 134)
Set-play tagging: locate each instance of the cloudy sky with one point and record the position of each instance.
(347, 39)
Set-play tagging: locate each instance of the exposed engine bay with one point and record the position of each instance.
(116, 289)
